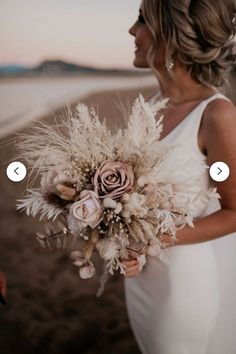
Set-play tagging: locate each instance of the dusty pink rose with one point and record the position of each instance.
(87, 211)
(113, 179)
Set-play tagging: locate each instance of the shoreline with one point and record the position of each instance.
(23, 102)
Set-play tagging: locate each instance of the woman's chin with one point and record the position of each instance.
(140, 63)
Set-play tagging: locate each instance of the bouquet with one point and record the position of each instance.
(105, 192)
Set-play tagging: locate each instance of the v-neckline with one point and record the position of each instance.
(186, 117)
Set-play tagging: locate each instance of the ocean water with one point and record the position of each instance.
(26, 99)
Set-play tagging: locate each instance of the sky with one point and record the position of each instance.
(89, 32)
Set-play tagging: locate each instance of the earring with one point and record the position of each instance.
(170, 64)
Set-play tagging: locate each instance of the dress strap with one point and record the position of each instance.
(216, 96)
(203, 105)
(186, 132)
(196, 121)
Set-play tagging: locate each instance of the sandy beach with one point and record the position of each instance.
(50, 309)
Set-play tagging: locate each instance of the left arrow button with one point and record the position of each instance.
(16, 171)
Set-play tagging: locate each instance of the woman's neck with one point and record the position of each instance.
(182, 88)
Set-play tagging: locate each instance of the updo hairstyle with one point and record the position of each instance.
(197, 33)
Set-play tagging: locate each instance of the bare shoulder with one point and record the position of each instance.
(218, 122)
(219, 113)
(219, 131)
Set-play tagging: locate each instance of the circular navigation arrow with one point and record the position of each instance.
(219, 171)
(16, 171)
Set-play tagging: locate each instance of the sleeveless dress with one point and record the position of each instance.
(185, 302)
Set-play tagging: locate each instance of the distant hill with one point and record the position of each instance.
(60, 66)
(13, 69)
(57, 68)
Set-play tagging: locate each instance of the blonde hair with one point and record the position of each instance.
(198, 33)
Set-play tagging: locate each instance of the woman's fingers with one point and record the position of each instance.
(132, 272)
(130, 263)
(166, 241)
(132, 268)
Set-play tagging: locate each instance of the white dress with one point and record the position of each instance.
(185, 302)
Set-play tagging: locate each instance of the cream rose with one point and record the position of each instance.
(87, 271)
(113, 179)
(86, 212)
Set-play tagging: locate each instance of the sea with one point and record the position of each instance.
(25, 99)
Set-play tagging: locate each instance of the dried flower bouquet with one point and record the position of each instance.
(111, 193)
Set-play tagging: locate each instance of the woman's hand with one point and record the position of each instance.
(167, 241)
(132, 268)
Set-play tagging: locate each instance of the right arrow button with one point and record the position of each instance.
(219, 171)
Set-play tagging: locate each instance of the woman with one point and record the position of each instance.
(184, 303)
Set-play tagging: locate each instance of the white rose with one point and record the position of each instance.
(86, 212)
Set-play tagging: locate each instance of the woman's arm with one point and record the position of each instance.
(218, 137)
(208, 228)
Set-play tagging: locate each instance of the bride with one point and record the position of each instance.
(183, 302)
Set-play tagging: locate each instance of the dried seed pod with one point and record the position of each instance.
(94, 236)
(66, 193)
(41, 239)
(88, 250)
